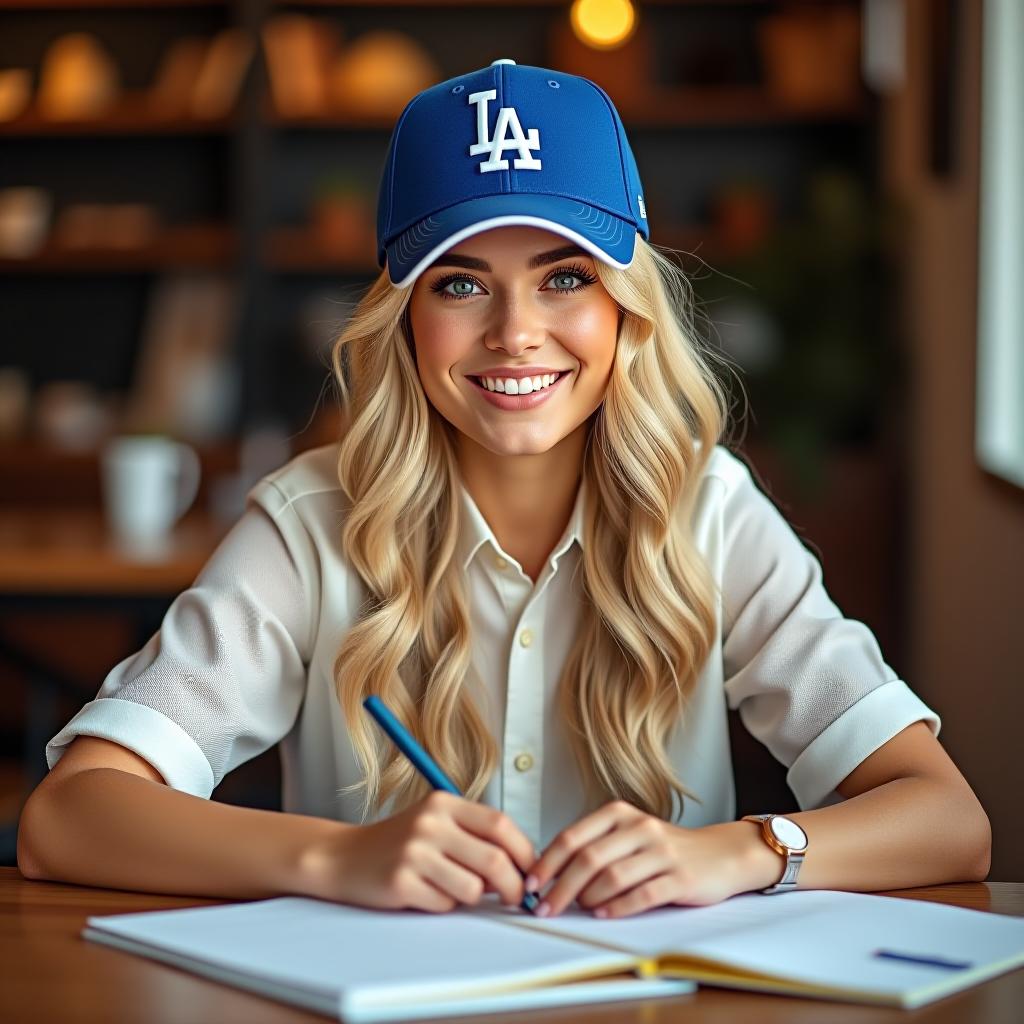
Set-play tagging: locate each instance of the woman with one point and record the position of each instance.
(560, 586)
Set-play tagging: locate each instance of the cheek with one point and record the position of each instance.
(593, 331)
(440, 343)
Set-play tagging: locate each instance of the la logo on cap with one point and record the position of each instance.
(508, 120)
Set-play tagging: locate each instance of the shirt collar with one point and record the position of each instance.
(476, 531)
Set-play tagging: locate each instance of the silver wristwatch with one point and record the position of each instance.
(784, 836)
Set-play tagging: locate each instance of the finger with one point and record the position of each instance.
(654, 892)
(574, 838)
(496, 827)
(623, 875)
(490, 862)
(588, 863)
(451, 877)
(420, 894)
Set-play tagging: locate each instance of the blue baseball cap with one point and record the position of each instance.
(508, 144)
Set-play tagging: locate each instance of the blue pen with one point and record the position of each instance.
(426, 765)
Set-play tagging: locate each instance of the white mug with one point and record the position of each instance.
(149, 483)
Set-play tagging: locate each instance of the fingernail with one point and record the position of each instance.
(543, 910)
(601, 912)
(531, 883)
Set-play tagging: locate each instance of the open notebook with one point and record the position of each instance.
(371, 965)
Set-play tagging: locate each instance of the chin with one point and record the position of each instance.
(518, 442)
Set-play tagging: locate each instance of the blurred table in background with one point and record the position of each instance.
(69, 553)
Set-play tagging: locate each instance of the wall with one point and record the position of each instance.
(966, 528)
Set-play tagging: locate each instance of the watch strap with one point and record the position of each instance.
(794, 859)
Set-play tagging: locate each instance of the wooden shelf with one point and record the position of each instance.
(287, 250)
(85, 5)
(132, 114)
(191, 245)
(298, 250)
(666, 108)
(507, 3)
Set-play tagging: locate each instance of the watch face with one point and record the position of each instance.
(788, 832)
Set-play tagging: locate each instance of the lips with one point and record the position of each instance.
(515, 403)
(478, 378)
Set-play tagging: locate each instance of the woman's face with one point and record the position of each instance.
(509, 299)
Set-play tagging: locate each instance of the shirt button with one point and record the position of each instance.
(526, 637)
(523, 762)
(500, 563)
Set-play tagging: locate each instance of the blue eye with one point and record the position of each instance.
(580, 273)
(568, 276)
(456, 281)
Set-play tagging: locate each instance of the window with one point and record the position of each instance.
(999, 420)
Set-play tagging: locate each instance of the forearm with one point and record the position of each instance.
(109, 828)
(908, 832)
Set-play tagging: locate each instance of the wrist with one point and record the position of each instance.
(313, 866)
(761, 866)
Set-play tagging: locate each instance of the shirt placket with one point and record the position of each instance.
(523, 758)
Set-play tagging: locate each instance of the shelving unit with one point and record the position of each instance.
(236, 189)
(234, 192)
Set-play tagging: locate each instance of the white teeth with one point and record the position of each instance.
(522, 386)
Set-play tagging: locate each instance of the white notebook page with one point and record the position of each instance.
(328, 947)
(820, 937)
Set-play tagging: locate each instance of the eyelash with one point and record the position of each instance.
(574, 271)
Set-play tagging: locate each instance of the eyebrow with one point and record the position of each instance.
(540, 260)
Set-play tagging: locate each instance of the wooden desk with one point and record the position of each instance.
(49, 973)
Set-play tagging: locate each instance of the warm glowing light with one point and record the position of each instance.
(603, 24)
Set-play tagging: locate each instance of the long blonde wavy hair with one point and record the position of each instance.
(648, 619)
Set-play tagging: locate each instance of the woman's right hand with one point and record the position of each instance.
(442, 851)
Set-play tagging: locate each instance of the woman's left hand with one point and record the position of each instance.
(620, 860)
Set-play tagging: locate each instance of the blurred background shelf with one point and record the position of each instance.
(130, 116)
(101, 5)
(266, 211)
(209, 246)
(263, 196)
(502, 3)
(670, 108)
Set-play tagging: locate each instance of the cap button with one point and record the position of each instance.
(502, 60)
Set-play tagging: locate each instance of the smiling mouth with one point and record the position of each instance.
(479, 382)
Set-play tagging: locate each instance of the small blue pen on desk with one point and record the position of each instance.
(426, 765)
(926, 961)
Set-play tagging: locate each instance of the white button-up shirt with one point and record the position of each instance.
(243, 659)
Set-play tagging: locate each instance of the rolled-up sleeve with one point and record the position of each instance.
(807, 682)
(223, 678)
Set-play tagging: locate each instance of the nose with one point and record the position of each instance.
(516, 325)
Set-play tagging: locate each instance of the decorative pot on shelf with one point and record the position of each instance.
(811, 56)
(341, 219)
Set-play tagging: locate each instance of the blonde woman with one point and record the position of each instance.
(532, 545)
